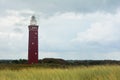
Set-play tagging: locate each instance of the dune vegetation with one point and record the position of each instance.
(27, 72)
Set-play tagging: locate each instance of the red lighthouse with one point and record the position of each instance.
(33, 41)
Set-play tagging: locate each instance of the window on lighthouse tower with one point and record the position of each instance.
(32, 43)
(35, 53)
(35, 33)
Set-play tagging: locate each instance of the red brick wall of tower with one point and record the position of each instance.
(33, 44)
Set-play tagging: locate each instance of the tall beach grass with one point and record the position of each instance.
(71, 73)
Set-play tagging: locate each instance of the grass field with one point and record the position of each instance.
(27, 72)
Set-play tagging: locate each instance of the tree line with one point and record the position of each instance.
(65, 62)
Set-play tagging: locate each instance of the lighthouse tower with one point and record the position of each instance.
(33, 41)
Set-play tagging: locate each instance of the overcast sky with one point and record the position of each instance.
(68, 29)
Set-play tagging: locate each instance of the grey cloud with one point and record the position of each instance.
(17, 30)
(53, 6)
(75, 5)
